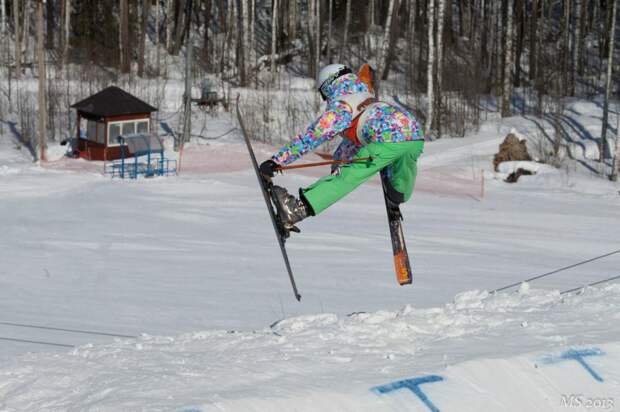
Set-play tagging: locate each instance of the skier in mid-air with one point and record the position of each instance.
(385, 134)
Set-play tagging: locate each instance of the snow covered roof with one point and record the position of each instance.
(113, 101)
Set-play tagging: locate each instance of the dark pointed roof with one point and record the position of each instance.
(113, 101)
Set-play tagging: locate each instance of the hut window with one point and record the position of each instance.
(126, 128)
(129, 128)
(143, 127)
(113, 133)
(91, 130)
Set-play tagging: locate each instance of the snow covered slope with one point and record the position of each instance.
(530, 350)
(82, 255)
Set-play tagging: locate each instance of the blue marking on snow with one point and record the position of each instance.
(413, 385)
(578, 355)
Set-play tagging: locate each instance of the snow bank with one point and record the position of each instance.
(528, 350)
(534, 167)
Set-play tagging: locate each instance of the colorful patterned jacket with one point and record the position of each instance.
(383, 122)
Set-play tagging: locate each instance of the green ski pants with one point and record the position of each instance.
(400, 159)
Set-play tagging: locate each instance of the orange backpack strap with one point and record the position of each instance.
(367, 75)
(358, 103)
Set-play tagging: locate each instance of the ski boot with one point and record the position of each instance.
(290, 209)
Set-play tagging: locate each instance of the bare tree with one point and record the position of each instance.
(431, 62)
(274, 38)
(26, 29)
(508, 60)
(123, 37)
(441, 15)
(144, 16)
(610, 58)
(293, 14)
(42, 102)
(3, 18)
(385, 46)
(51, 23)
(66, 31)
(179, 26)
(347, 23)
(169, 23)
(158, 36)
(410, 40)
(317, 42)
(566, 58)
(329, 30)
(616, 163)
(18, 46)
(580, 37)
(252, 31)
(245, 41)
(533, 39)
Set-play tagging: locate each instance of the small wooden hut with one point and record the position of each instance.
(109, 114)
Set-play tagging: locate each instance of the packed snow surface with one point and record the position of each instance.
(360, 362)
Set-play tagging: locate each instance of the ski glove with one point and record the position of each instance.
(268, 168)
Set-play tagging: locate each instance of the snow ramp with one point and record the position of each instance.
(530, 350)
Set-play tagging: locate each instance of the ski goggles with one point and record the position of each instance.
(324, 87)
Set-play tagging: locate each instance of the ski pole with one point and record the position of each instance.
(330, 162)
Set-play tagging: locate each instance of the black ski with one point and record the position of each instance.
(399, 248)
(281, 233)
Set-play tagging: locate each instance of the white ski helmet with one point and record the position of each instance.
(328, 74)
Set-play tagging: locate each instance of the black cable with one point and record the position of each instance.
(37, 342)
(590, 284)
(555, 271)
(86, 332)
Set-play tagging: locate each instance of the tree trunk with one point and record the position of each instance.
(566, 54)
(41, 96)
(158, 37)
(484, 53)
(244, 40)
(429, 69)
(498, 47)
(347, 23)
(169, 23)
(274, 40)
(125, 64)
(410, 41)
(616, 163)
(144, 15)
(386, 44)
(317, 42)
(51, 23)
(253, 37)
(67, 31)
(179, 27)
(508, 60)
(448, 31)
(520, 10)
(292, 19)
(610, 58)
(310, 37)
(26, 29)
(3, 18)
(329, 31)
(533, 40)
(371, 14)
(18, 46)
(438, 89)
(581, 36)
